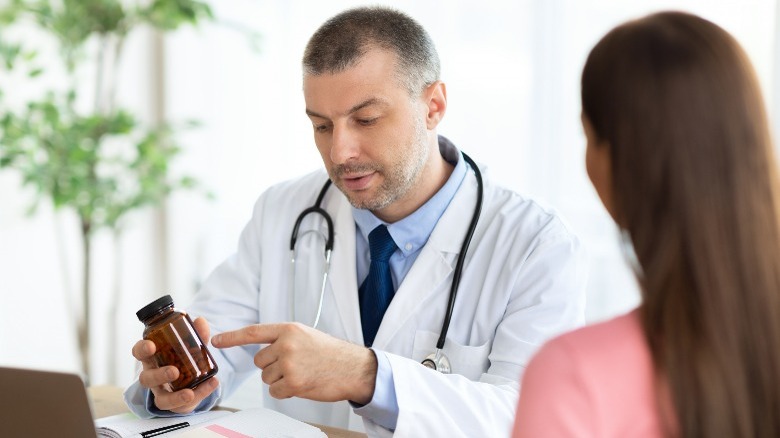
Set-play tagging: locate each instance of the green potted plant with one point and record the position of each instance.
(94, 158)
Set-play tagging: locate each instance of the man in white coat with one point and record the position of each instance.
(374, 96)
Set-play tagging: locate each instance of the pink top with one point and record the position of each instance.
(593, 382)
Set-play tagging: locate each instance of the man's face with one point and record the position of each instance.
(370, 133)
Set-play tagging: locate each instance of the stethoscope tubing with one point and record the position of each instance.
(457, 273)
(328, 250)
(319, 210)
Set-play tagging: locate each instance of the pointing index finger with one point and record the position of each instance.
(251, 334)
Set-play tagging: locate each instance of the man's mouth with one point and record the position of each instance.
(357, 181)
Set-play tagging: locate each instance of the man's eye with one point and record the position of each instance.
(321, 128)
(367, 122)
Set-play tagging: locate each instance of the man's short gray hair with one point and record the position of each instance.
(343, 40)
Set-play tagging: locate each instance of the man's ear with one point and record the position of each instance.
(435, 99)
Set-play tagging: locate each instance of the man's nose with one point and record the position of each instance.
(345, 144)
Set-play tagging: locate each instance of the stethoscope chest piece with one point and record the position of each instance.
(438, 361)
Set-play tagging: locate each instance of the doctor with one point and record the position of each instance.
(373, 94)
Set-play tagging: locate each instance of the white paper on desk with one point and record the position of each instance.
(252, 423)
(130, 426)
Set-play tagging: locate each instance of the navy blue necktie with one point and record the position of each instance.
(376, 292)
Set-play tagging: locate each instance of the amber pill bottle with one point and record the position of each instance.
(177, 343)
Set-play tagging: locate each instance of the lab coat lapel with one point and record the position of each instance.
(433, 266)
(343, 278)
(422, 282)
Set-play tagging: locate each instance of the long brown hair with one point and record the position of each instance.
(694, 183)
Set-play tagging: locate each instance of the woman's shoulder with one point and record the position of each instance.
(623, 328)
(594, 381)
(603, 347)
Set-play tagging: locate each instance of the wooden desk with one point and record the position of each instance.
(107, 401)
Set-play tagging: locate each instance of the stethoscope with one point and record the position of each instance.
(437, 360)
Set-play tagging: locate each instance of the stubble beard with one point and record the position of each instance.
(398, 180)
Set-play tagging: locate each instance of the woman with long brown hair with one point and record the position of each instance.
(680, 154)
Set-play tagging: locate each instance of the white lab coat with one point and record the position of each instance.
(523, 281)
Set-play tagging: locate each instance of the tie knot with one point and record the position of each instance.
(381, 244)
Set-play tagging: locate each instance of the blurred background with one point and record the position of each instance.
(512, 72)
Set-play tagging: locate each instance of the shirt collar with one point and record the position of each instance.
(413, 231)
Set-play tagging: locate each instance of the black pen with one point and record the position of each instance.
(166, 429)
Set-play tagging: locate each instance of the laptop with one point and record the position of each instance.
(43, 404)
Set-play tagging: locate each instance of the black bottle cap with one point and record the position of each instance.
(154, 307)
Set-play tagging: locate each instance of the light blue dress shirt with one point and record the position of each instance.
(410, 235)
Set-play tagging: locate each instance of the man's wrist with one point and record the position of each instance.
(365, 378)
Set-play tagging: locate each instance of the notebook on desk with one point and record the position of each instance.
(250, 423)
(43, 404)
